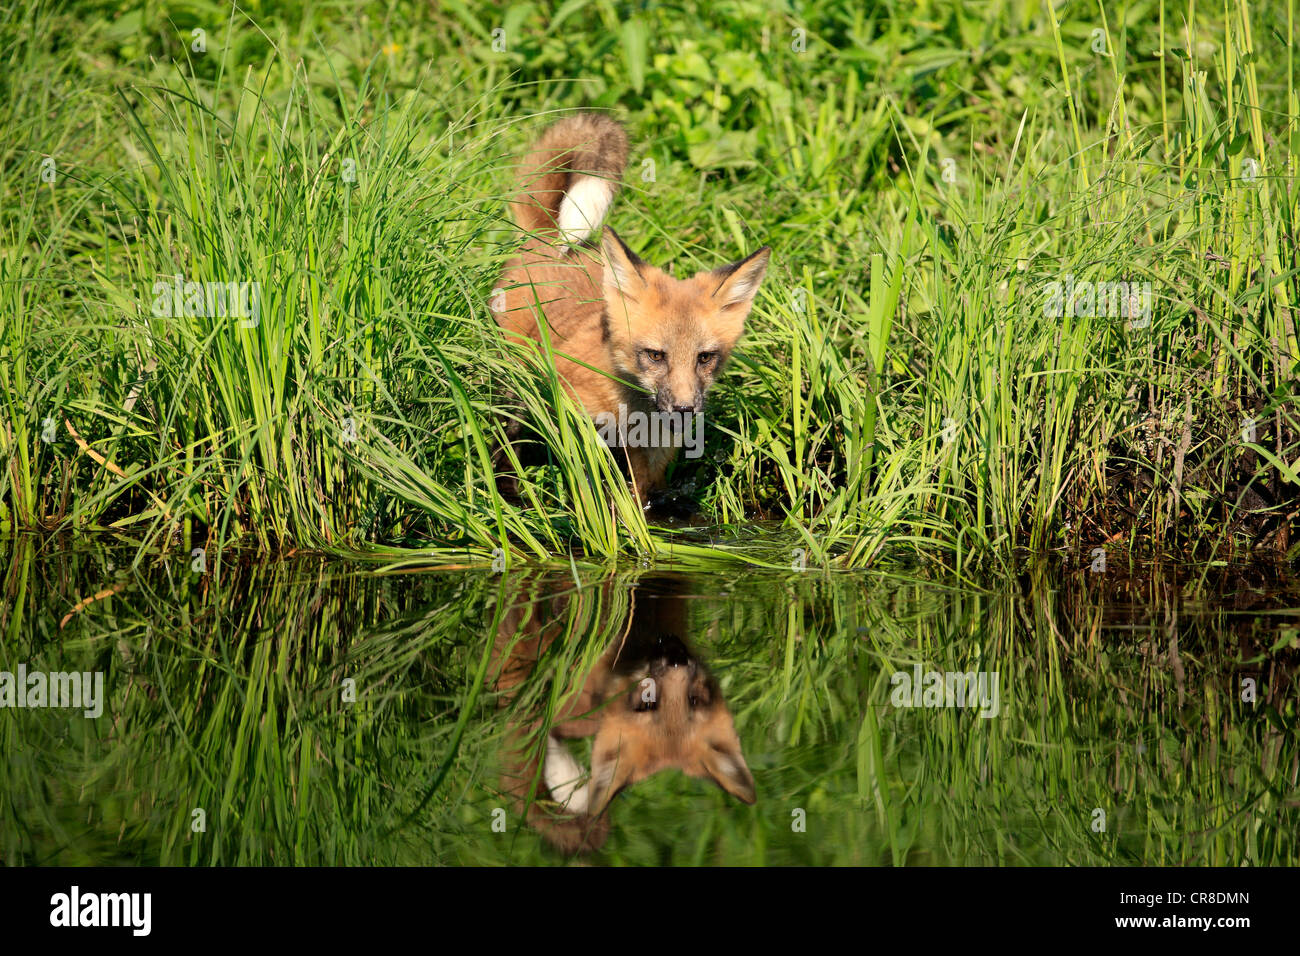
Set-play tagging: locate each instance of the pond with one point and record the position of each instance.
(311, 711)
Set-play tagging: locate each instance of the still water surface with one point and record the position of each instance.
(312, 712)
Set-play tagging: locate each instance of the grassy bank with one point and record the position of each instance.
(912, 380)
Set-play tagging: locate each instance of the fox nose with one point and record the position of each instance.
(684, 409)
(672, 652)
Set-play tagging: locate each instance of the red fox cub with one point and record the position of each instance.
(654, 343)
(648, 705)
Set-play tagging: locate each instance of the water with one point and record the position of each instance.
(331, 713)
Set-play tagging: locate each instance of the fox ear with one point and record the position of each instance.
(725, 765)
(623, 275)
(738, 282)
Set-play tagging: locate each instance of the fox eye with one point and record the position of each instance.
(654, 355)
(706, 358)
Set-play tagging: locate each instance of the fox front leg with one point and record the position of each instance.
(647, 467)
(643, 480)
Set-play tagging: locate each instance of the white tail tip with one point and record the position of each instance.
(583, 207)
(564, 777)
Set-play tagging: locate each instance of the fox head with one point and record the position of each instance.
(663, 712)
(672, 336)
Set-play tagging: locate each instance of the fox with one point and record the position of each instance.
(648, 705)
(628, 337)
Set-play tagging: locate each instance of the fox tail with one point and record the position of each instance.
(569, 179)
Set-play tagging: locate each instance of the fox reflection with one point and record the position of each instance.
(648, 704)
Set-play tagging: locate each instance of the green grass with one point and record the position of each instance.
(922, 171)
(1115, 694)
